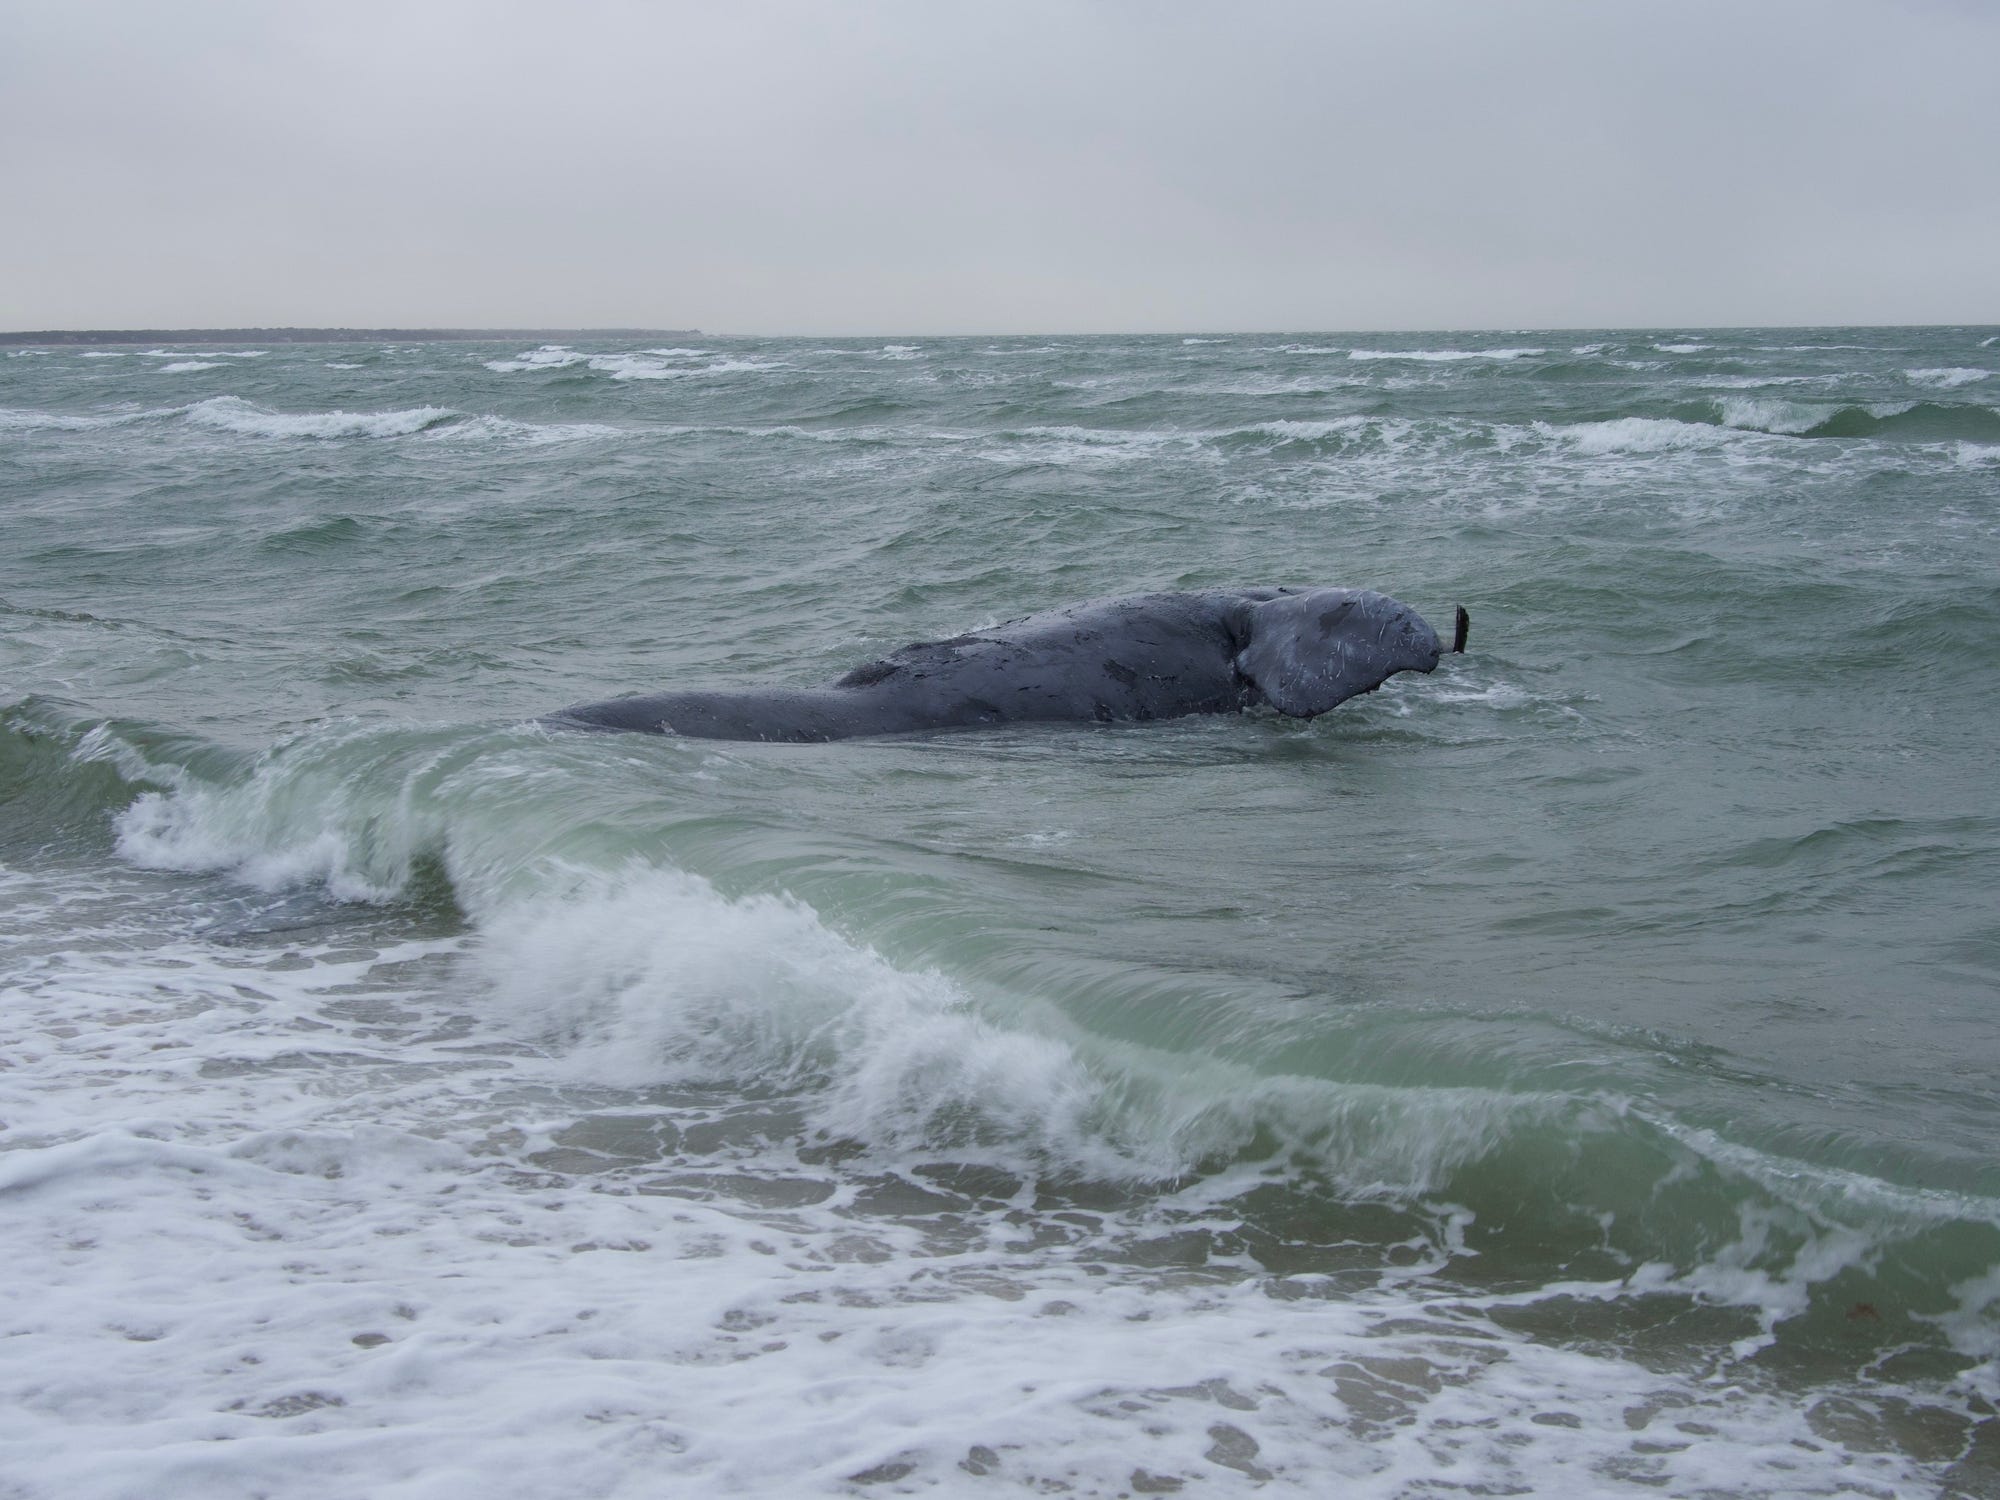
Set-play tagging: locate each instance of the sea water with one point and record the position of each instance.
(1572, 1072)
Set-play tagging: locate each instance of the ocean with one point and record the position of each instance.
(1569, 1073)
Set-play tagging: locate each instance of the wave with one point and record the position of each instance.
(1444, 355)
(529, 434)
(233, 414)
(64, 773)
(644, 364)
(16, 419)
(641, 971)
(1322, 438)
(916, 1313)
(597, 965)
(211, 354)
(1633, 435)
(183, 366)
(1946, 379)
(1922, 421)
(548, 357)
(1719, 420)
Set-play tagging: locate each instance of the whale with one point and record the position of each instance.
(1300, 651)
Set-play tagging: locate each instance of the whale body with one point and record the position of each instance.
(1138, 656)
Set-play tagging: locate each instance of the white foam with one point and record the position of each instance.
(1634, 435)
(1683, 348)
(203, 354)
(103, 354)
(232, 414)
(530, 434)
(317, 1228)
(1946, 379)
(548, 357)
(1306, 432)
(656, 978)
(900, 351)
(1771, 415)
(652, 976)
(647, 364)
(26, 420)
(1087, 447)
(733, 366)
(182, 366)
(1443, 356)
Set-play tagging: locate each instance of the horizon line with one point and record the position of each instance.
(329, 333)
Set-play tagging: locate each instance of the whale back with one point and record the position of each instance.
(1309, 651)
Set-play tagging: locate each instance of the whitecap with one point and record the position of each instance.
(548, 357)
(26, 420)
(1442, 356)
(1683, 348)
(530, 434)
(1634, 435)
(1946, 379)
(666, 364)
(1765, 414)
(203, 354)
(182, 366)
(232, 414)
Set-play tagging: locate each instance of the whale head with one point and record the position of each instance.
(1311, 650)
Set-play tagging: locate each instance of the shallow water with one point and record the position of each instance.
(1569, 1072)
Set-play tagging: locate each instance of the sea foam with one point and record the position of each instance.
(232, 414)
(1444, 356)
(1946, 379)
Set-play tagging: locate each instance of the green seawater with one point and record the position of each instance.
(1630, 986)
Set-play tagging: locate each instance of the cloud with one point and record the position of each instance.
(781, 167)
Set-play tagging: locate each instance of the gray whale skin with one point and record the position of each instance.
(1139, 656)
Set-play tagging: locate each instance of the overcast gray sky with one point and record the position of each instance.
(776, 166)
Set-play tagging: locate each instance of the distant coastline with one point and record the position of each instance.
(328, 335)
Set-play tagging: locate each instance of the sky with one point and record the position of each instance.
(939, 166)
